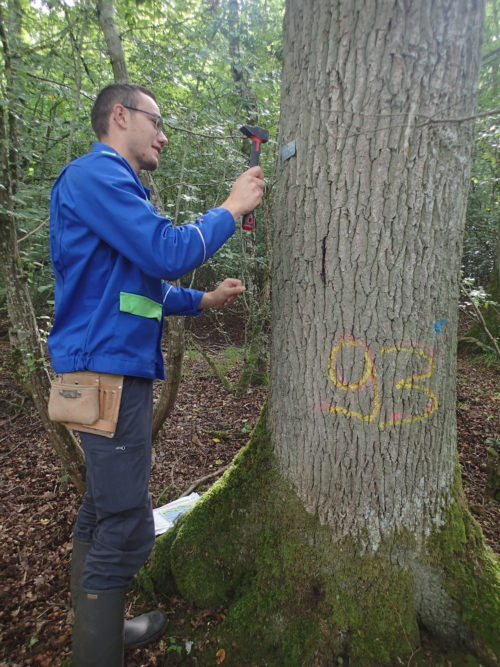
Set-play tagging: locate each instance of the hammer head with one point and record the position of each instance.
(255, 132)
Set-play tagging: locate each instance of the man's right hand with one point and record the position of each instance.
(246, 193)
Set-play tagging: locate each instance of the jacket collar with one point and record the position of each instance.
(98, 147)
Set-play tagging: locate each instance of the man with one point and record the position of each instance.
(110, 252)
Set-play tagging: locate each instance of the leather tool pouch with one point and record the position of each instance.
(86, 401)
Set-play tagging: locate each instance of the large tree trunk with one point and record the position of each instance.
(341, 532)
(368, 323)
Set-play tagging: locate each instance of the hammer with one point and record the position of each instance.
(258, 136)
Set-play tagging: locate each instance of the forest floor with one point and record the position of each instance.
(207, 427)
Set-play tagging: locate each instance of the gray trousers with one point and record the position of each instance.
(116, 515)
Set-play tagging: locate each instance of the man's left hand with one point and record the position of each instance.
(223, 295)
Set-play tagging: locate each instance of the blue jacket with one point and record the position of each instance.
(111, 252)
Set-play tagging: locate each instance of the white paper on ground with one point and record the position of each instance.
(166, 515)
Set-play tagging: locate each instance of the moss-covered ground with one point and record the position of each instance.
(292, 597)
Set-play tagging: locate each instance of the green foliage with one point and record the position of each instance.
(213, 66)
(483, 209)
(485, 314)
(231, 357)
(184, 51)
(209, 80)
(174, 646)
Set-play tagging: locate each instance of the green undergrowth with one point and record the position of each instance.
(294, 597)
(227, 358)
(254, 371)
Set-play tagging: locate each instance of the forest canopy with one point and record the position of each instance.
(213, 66)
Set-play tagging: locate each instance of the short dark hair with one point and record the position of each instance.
(115, 93)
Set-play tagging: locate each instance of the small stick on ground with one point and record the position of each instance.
(200, 480)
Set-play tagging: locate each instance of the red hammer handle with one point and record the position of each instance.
(248, 221)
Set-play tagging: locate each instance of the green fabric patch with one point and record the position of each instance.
(140, 305)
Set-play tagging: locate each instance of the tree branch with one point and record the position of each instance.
(58, 83)
(201, 134)
(200, 480)
(491, 54)
(217, 371)
(33, 231)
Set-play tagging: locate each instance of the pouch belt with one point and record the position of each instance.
(110, 389)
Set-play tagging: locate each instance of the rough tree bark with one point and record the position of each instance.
(24, 337)
(341, 533)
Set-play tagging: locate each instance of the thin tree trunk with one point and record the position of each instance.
(24, 337)
(106, 14)
(175, 337)
(255, 364)
(165, 402)
(77, 61)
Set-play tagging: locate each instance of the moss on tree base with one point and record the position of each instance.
(295, 597)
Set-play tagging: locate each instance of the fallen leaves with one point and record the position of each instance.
(38, 508)
(220, 656)
(204, 432)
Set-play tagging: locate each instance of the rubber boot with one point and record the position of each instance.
(78, 556)
(138, 631)
(144, 629)
(98, 629)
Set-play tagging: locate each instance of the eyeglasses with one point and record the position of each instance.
(158, 119)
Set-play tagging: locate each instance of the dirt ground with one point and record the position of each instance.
(208, 426)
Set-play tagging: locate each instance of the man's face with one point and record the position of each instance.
(143, 140)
